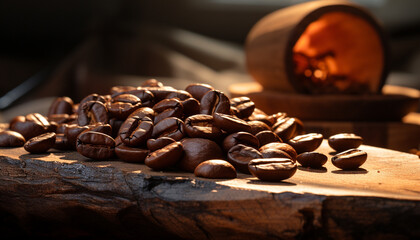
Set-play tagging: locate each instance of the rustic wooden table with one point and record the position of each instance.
(63, 194)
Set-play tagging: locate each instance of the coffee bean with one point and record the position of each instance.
(92, 112)
(197, 150)
(350, 159)
(244, 138)
(143, 112)
(152, 83)
(198, 90)
(274, 153)
(258, 126)
(31, 125)
(146, 97)
(135, 131)
(165, 157)
(131, 154)
(95, 145)
(344, 141)
(240, 155)
(72, 131)
(280, 146)
(259, 115)
(243, 106)
(155, 144)
(179, 94)
(214, 102)
(312, 159)
(267, 136)
(230, 123)
(160, 93)
(40, 143)
(168, 108)
(61, 105)
(285, 128)
(202, 126)
(123, 105)
(10, 138)
(306, 142)
(215, 169)
(191, 107)
(272, 169)
(92, 97)
(169, 127)
(115, 126)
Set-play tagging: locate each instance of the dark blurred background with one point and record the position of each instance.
(53, 48)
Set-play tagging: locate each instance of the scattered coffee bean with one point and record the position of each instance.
(131, 154)
(155, 144)
(240, 155)
(306, 142)
(214, 102)
(285, 128)
(243, 106)
(267, 136)
(230, 123)
(165, 157)
(169, 127)
(168, 108)
(274, 146)
(202, 126)
(135, 131)
(244, 138)
(272, 169)
(215, 169)
(350, 159)
(344, 141)
(10, 138)
(198, 90)
(95, 145)
(41, 143)
(92, 112)
(61, 105)
(123, 105)
(31, 125)
(312, 159)
(197, 150)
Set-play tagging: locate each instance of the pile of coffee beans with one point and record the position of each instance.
(198, 130)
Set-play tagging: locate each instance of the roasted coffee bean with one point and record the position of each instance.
(155, 144)
(274, 153)
(92, 112)
(41, 143)
(179, 94)
(160, 93)
(169, 127)
(152, 83)
(202, 126)
(258, 126)
(15, 120)
(146, 97)
(267, 136)
(307, 142)
(285, 128)
(31, 125)
(131, 154)
(279, 146)
(95, 145)
(215, 169)
(198, 90)
(135, 131)
(312, 159)
(61, 105)
(62, 143)
(72, 132)
(240, 155)
(278, 116)
(168, 108)
(259, 115)
(102, 128)
(10, 138)
(272, 169)
(244, 138)
(344, 141)
(230, 123)
(214, 102)
(91, 97)
(300, 128)
(196, 151)
(143, 112)
(191, 107)
(243, 106)
(165, 157)
(350, 159)
(123, 105)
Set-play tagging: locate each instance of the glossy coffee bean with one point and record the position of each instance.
(259, 115)
(123, 105)
(280, 146)
(215, 169)
(146, 97)
(344, 141)
(115, 90)
(240, 155)
(165, 157)
(169, 127)
(267, 136)
(198, 90)
(258, 126)
(243, 106)
(196, 151)
(285, 128)
(168, 108)
(274, 153)
(10, 138)
(214, 102)
(131, 154)
(312, 159)
(202, 126)
(92, 97)
(152, 83)
(31, 125)
(160, 93)
(92, 112)
(135, 131)
(191, 107)
(350, 159)
(95, 145)
(41, 143)
(230, 123)
(306, 142)
(72, 131)
(244, 138)
(61, 105)
(155, 144)
(143, 112)
(272, 169)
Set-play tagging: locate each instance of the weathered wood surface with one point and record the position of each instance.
(62, 194)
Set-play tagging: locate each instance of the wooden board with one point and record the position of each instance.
(63, 194)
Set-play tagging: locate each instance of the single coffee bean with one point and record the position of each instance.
(244, 138)
(169, 127)
(92, 112)
(202, 126)
(306, 142)
(152, 83)
(123, 105)
(198, 90)
(168, 108)
(95, 145)
(215, 169)
(179, 94)
(15, 120)
(61, 105)
(196, 151)
(135, 131)
(350, 159)
(274, 153)
(258, 126)
(146, 97)
(31, 125)
(91, 97)
(72, 132)
(267, 136)
(230, 123)
(243, 106)
(131, 154)
(285, 128)
(214, 102)
(155, 144)
(41, 143)
(191, 107)
(165, 157)
(312, 159)
(280, 146)
(344, 141)
(143, 112)
(272, 169)
(259, 115)
(240, 155)
(10, 138)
